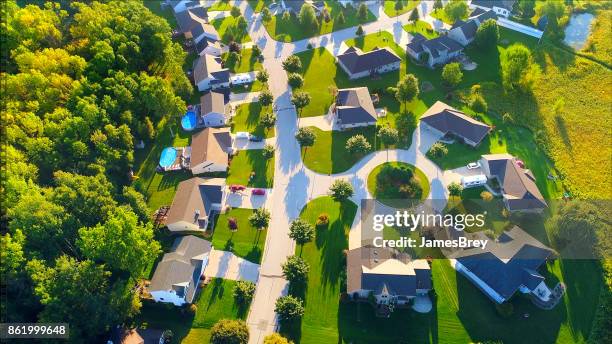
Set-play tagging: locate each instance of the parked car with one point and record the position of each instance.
(255, 138)
(473, 165)
(242, 135)
(258, 192)
(236, 188)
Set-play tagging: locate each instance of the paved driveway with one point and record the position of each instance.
(223, 264)
(245, 199)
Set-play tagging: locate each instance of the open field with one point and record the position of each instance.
(292, 30)
(246, 242)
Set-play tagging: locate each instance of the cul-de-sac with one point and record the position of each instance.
(220, 171)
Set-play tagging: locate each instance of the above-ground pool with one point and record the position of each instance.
(189, 120)
(168, 155)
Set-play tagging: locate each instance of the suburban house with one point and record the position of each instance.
(434, 52)
(205, 31)
(183, 5)
(354, 108)
(209, 150)
(517, 184)
(209, 46)
(358, 64)
(448, 121)
(122, 335)
(392, 278)
(212, 109)
(209, 74)
(464, 32)
(195, 202)
(177, 275)
(500, 7)
(190, 20)
(506, 265)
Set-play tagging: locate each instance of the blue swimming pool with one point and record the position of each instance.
(189, 120)
(168, 155)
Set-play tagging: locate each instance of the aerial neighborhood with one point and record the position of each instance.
(205, 171)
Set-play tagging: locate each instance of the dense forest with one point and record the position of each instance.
(82, 82)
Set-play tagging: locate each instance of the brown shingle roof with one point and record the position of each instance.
(446, 119)
(194, 199)
(212, 102)
(210, 144)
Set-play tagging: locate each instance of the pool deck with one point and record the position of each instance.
(182, 159)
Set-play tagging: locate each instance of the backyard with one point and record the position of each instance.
(246, 242)
(292, 30)
(246, 162)
(214, 302)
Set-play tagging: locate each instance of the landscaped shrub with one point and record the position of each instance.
(244, 291)
(397, 182)
(191, 309)
(438, 150)
(486, 196)
(229, 331)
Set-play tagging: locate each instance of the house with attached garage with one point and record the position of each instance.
(195, 202)
(212, 109)
(506, 265)
(177, 275)
(464, 32)
(500, 7)
(189, 20)
(354, 108)
(358, 64)
(448, 121)
(209, 150)
(392, 278)
(433, 52)
(517, 185)
(208, 73)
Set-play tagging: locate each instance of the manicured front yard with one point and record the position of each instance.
(441, 14)
(247, 117)
(247, 62)
(222, 5)
(247, 161)
(407, 5)
(258, 5)
(214, 302)
(422, 27)
(292, 30)
(228, 30)
(246, 242)
(327, 264)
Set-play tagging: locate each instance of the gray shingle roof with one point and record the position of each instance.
(207, 66)
(507, 4)
(507, 264)
(354, 105)
(366, 270)
(182, 265)
(204, 43)
(448, 119)
(469, 29)
(518, 185)
(194, 199)
(189, 19)
(357, 61)
(441, 43)
(482, 15)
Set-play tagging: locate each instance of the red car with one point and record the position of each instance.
(520, 163)
(258, 192)
(236, 188)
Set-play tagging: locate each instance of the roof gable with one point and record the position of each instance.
(448, 119)
(356, 61)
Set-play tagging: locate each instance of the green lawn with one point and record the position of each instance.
(247, 62)
(258, 5)
(422, 27)
(407, 5)
(247, 117)
(388, 196)
(324, 254)
(214, 302)
(228, 30)
(223, 5)
(255, 86)
(291, 30)
(441, 14)
(247, 242)
(329, 155)
(247, 161)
